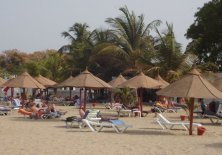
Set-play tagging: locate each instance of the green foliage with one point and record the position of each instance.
(206, 34)
(170, 60)
(80, 47)
(12, 61)
(131, 39)
(126, 95)
(187, 106)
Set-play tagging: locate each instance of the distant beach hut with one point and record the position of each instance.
(139, 82)
(87, 80)
(191, 86)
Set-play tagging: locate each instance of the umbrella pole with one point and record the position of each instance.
(12, 92)
(80, 98)
(70, 93)
(191, 115)
(84, 100)
(141, 101)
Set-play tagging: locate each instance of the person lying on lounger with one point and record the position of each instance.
(51, 109)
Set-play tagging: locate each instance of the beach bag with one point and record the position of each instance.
(71, 118)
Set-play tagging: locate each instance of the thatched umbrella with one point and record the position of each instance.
(23, 81)
(191, 86)
(218, 83)
(161, 81)
(65, 83)
(87, 80)
(141, 81)
(117, 81)
(45, 81)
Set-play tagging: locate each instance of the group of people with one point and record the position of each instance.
(42, 108)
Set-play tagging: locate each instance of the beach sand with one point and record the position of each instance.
(24, 136)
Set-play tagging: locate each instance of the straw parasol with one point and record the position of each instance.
(2, 81)
(141, 81)
(64, 83)
(117, 81)
(45, 81)
(218, 83)
(23, 81)
(161, 81)
(191, 86)
(87, 80)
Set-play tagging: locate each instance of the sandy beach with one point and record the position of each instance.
(24, 136)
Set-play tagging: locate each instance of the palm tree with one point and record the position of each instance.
(170, 60)
(131, 38)
(80, 47)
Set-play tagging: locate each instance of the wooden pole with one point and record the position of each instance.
(70, 93)
(141, 100)
(80, 99)
(84, 107)
(12, 92)
(191, 115)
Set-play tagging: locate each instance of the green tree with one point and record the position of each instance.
(170, 60)
(126, 95)
(12, 61)
(105, 65)
(80, 47)
(130, 38)
(206, 34)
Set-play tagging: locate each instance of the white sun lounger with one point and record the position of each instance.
(118, 125)
(164, 123)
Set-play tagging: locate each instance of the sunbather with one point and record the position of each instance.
(54, 111)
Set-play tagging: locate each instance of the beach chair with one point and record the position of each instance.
(161, 109)
(215, 118)
(89, 114)
(4, 110)
(164, 123)
(16, 104)
(118, 125)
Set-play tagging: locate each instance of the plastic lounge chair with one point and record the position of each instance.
(118, 125)
(83, 115)
(4, 110)
(16, 104)
(50, 115)
(164, 123)
(215, 118)
(160, 109)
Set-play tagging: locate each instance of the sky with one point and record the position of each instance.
(35, 25)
